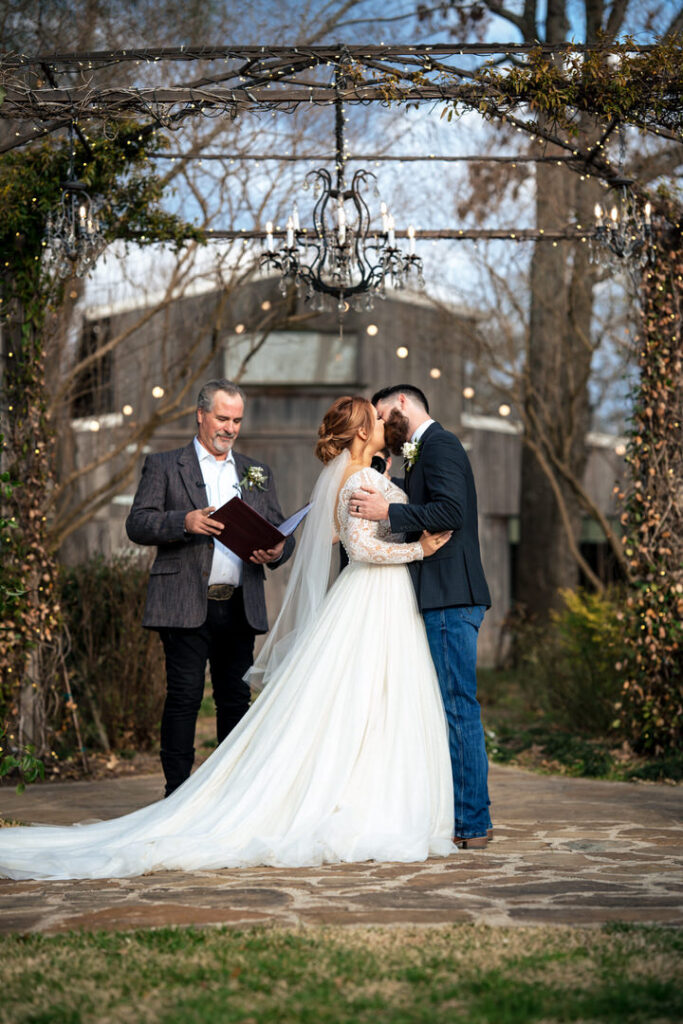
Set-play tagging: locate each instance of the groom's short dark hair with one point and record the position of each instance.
(401, 389)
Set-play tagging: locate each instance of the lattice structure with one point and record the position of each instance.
(104, 87)
(103, 91)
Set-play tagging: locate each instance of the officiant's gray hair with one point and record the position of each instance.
(206, 395)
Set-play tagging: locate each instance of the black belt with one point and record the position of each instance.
(221, 591)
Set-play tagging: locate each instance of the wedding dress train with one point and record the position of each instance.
(343, 757)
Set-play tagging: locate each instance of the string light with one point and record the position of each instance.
(372, 330)
(402, 352)
(158, 391)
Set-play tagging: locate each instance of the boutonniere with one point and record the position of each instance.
(254, 476)
(410, 452)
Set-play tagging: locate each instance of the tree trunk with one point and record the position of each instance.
(545, 562)
(559, 354)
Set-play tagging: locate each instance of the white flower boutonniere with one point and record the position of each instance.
(254, 476)
(410, 452)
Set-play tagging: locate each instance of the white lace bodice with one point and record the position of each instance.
(364, 540)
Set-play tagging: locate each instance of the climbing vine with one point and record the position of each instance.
(614, 84)
(30, 186)
(651, 707)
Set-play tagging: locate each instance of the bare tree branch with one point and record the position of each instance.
(665, 161)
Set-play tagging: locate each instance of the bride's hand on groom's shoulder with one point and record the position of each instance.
(367, 503)
(431, 542)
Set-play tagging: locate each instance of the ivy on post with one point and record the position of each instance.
(33, 697)
(651, 708)
(13, 605)
(29, 609)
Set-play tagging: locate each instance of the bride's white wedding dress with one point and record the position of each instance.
(343, 757)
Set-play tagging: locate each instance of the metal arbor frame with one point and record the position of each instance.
(102, 89)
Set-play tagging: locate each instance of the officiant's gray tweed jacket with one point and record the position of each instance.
(171, 486)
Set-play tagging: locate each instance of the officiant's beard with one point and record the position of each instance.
(396, 431)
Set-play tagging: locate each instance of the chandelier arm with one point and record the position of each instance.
(319, 222)
(360, 240)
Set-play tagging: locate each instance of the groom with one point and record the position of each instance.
(206, 603)
(451, 588)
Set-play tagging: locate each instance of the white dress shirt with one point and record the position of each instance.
(222, 484)
(421, 429)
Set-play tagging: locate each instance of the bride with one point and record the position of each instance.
(344, 756)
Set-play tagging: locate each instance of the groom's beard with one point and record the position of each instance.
(396, 431)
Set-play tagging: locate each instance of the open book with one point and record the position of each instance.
(245, 531)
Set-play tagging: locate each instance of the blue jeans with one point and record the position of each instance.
(452, 634)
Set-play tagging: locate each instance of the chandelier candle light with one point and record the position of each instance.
(342, 258)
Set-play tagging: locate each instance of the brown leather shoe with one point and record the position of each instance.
(489, 834)
(473, 843)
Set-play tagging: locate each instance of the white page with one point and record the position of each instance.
(290, 525)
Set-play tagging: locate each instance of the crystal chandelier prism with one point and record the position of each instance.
(74, 236)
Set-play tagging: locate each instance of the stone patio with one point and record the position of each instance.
(566, 851)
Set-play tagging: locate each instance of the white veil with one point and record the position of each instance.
(309, 577)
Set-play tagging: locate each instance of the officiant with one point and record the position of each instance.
(206, 603)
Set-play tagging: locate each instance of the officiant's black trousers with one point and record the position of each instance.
(226, 642)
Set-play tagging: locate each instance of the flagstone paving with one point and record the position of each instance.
(566, 851)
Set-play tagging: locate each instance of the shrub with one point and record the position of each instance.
(572, 668)
(115, 666)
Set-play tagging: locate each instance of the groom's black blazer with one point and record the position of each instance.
(442, 496)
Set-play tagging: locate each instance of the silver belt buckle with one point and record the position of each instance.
(221, 591)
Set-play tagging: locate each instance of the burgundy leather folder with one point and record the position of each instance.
(245, 531)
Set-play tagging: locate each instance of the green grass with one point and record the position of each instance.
(519, 735)
(462, 973)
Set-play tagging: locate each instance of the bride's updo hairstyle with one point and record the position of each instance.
(342, 421)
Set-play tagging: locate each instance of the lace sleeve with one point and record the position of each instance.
(394, 495)
(363, 539)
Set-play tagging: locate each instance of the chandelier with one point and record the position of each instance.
(623, 234)
(73, 237)
(342, 259)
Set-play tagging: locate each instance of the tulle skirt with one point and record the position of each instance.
(343, 757)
